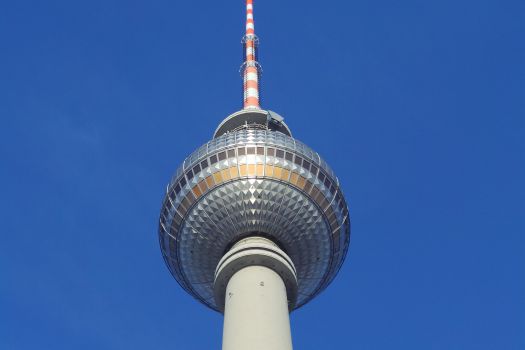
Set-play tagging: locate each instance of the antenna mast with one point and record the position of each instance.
(250, 69)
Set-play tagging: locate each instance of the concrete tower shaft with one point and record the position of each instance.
(256, 283)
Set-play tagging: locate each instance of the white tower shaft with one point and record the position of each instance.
(256, 311)
(256, 283)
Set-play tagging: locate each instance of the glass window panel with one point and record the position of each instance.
(244, 170)
(209, 181)
(324, 203)
(250, 150)
(189, 174)
(241, 151)
(271, 151)
(231, 153)
(213, 159)
(225, 174)
(190, 197)
(222, 155)
(234, 172)
(217, 177)
(294, 178)
(204, 164)
(268, 170)
(280, 153)
(306, 164)
(196, 191)
(289, 156)
(301, 182)
(196, 169)
(202, 186)
(183, 182)
(260, 150)
(298, 160)
(307, 186)
(314, 192)
(185, 204)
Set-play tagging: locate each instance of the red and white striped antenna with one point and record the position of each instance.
(250, 69)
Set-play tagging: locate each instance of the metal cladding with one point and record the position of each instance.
(253, 179)
(254, 182)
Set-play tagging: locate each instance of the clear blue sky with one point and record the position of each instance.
(418, 106)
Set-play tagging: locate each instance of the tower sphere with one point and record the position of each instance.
(254, 179)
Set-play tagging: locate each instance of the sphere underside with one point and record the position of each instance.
(254, 182)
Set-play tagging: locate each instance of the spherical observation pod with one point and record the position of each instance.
(254, 179)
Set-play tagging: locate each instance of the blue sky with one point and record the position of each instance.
(417, 105)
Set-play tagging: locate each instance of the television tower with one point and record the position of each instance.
(254, 223)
